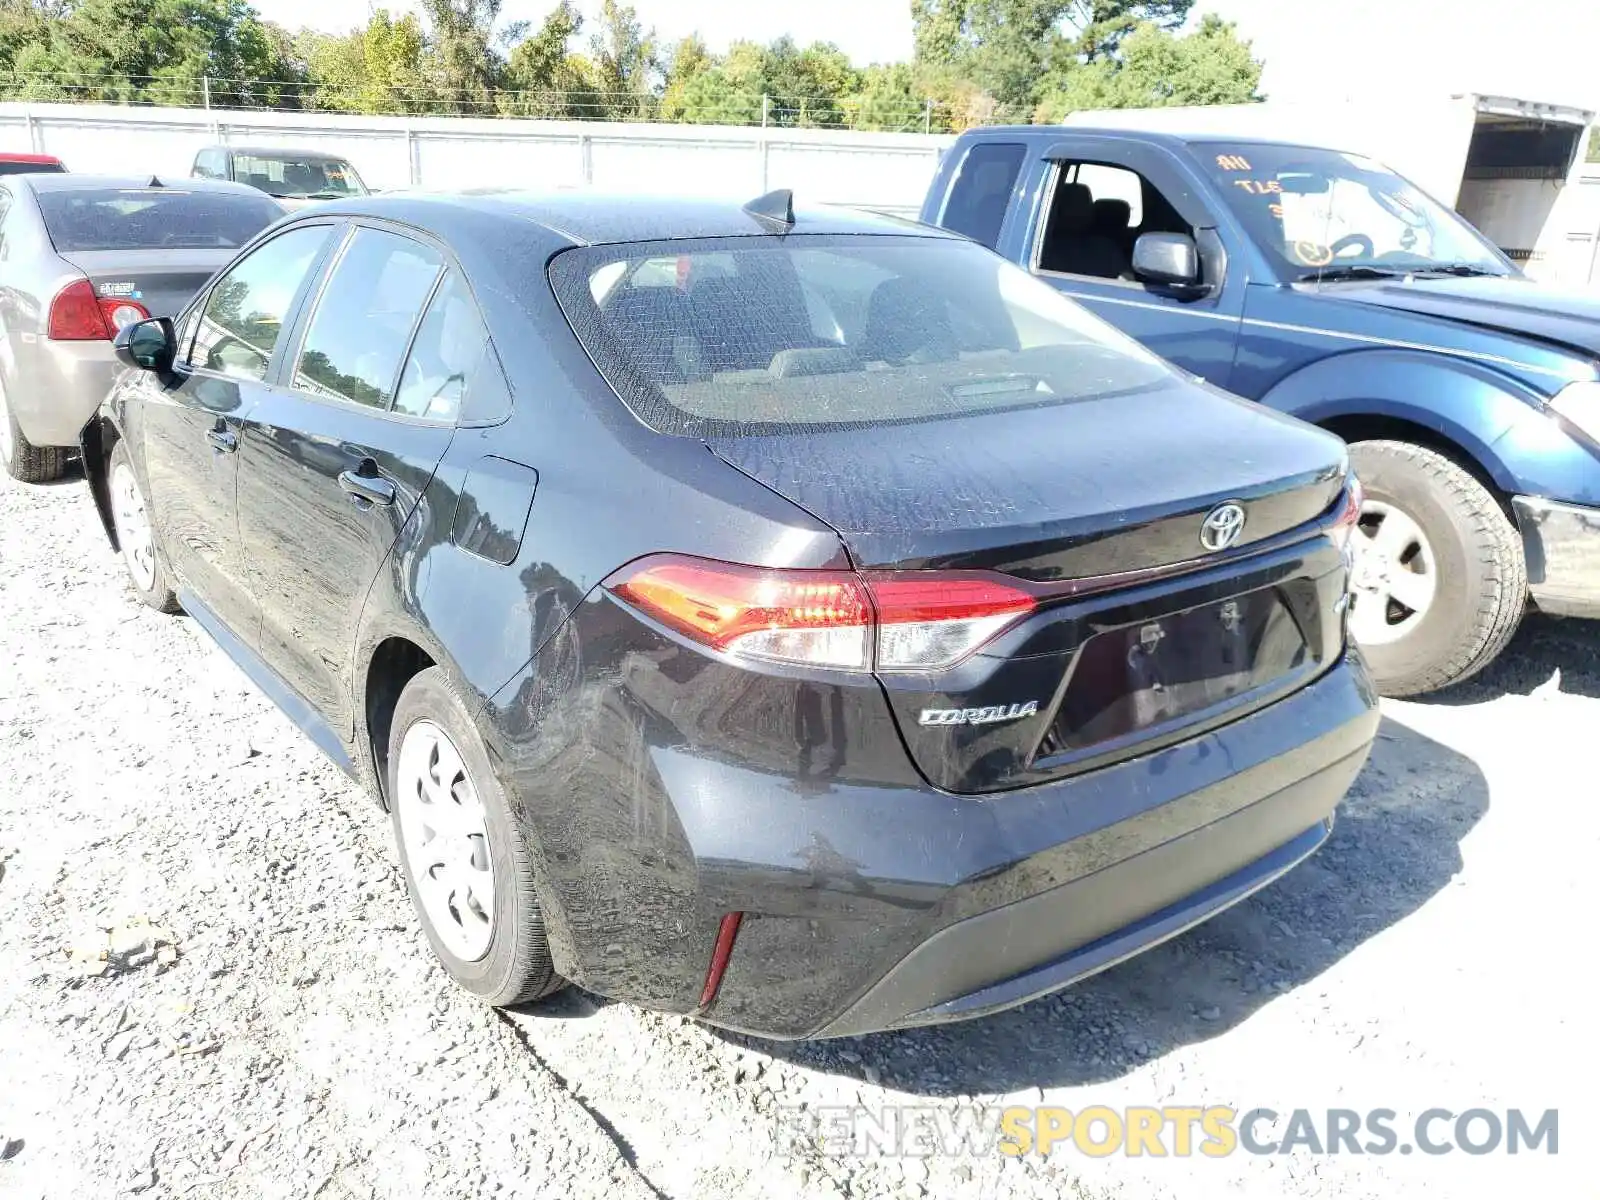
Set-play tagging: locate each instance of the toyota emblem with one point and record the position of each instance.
(1222, 526)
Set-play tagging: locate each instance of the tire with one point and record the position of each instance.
(509, 961)
(148, 577)
(24, 461)
(1459, 533)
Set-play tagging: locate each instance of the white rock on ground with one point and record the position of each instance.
(211, 983)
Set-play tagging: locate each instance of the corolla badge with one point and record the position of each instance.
(978, 716)
(1222, 526)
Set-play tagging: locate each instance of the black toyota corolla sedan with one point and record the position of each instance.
(808, 622)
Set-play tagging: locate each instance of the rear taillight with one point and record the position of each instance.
(894, 621)
(819, 618)
(930, 620)
(122, 313)
(78, 315)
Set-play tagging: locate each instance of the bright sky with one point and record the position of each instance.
(1535, 49)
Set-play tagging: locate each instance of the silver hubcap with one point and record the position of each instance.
(1394, 577)
(133, 527)
(446, 839)
(7, 446)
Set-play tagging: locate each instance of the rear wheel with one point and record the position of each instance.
(466, 866)
(1439, 582)
(147, 574)
(21, 458)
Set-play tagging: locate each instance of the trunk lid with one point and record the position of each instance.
(1100, 487)
(161, 280)
(1093, 487)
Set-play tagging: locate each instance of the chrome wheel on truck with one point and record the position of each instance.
(1394, 576)
(1438, 581)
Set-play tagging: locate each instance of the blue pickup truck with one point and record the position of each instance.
(1324, 285)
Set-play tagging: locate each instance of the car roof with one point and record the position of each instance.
(277, 151)
(76, 182)
(1167, 137)
(43, 159)
(584, 217)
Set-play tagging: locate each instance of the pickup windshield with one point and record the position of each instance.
(1324, 215)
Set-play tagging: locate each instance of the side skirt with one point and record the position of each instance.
(293, 705)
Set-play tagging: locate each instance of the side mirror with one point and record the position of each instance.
(1167, 258)
(148, 345)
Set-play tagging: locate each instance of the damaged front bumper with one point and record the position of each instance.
(1562, 545)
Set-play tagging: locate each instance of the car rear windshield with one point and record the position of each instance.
(153, 218)
(14, 167)
(749, 336)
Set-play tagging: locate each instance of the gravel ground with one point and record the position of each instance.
(211, 983)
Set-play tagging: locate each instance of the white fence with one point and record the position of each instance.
(888, 171)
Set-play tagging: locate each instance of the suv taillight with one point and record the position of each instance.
(78, 315)
(884, 620)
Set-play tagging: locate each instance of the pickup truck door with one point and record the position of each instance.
(1196, 332)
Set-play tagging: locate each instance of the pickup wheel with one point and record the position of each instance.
(1439, 582)
(467, 867)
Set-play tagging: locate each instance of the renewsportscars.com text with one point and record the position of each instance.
(1177, 1131)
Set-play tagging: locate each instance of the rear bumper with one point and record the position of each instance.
(58, 387)
(994, 901)
(1562, 546)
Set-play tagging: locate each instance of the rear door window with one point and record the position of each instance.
(445, 357)
(163, 218)
(365, 317)
(246, 309)
(976, 205)
(12, 167)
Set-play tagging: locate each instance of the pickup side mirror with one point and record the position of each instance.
(1168, 258)
(148, 345)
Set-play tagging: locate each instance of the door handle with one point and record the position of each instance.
(374, 489)
(222, 441)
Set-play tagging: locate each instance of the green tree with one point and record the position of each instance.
(805, 87)
(1156, 69)
(887, 99)
(726, 93)
(625, 62)
(149, 51)
(543, 77)
(378, 69)
(461, 56)
(1101, 25)
(689, 58)
(1007, 48)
